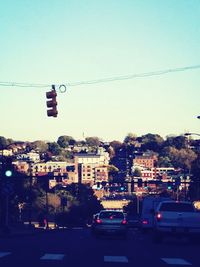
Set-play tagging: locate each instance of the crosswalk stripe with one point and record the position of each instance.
(176, 261)
(52, 257)
(116, 259)
(3, 254)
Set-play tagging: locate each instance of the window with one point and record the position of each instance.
(177, 207)
(107, 215)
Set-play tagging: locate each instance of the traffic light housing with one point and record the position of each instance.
(132, 186)
(122, 188)
(7, 167)
(139, 182)
(178, 181)
(98, 186)
(145, 184)
(169, 185)
(51, 102)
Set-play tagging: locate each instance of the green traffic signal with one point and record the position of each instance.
(8, 173)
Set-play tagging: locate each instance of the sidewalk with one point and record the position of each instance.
(20, 230)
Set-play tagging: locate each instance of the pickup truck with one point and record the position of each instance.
(177, 218)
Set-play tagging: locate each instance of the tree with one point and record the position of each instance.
(54, 148)
(152, 142)
(182, 158)
(164, 162)
(82, 204)
(39, 145)
(114, 147)
(177, 141)
(93, 141)
(112, 172)
(130, 138)
(194, 190)
(137, 173)
(3, 142)
(65, 140)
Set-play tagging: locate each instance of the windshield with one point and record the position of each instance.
(182, 207)
(114, 215)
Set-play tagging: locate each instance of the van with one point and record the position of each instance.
(149, 206)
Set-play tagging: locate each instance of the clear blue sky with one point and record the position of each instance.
(64, 41)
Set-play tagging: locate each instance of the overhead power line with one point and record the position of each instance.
(104, 80)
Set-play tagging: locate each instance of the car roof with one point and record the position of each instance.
(174, 201)
(112, 211)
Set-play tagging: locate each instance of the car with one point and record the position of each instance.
(111, 222)
(149, 206)
(177, 218)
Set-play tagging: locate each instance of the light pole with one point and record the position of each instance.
(198, 179)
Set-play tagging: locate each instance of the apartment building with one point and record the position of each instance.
(92, 167)
(145, 161)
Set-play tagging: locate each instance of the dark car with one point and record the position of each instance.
(110, 222)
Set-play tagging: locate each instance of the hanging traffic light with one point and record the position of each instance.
(52, 103)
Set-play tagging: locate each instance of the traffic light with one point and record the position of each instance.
(52, 103)
(122, 188)
(8, 173)
(98, 186)
(132, 186)
(7, 167)
(178, 181)
(139, 182)
(145, 184)
(169, 185)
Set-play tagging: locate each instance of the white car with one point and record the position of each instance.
(149, 205)
(110, 222)
(178, 218)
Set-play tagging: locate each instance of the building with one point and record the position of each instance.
(101, 174)
(92, 167)
(31, 157)
(145, 161)
(6, 152)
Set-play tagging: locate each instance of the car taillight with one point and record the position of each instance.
(145, 222)
(158, 216)
(124, 222)
(98, 221)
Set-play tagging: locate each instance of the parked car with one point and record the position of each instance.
(178, 218)
(110, 222)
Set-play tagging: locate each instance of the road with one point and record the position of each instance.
(77, 247)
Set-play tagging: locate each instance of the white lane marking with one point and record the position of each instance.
(52, 257)
(176, 261)
(3, 254)
(115, 259)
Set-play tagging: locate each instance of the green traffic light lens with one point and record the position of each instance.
(8, 173)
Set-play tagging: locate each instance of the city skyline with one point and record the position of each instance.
(66, 42)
